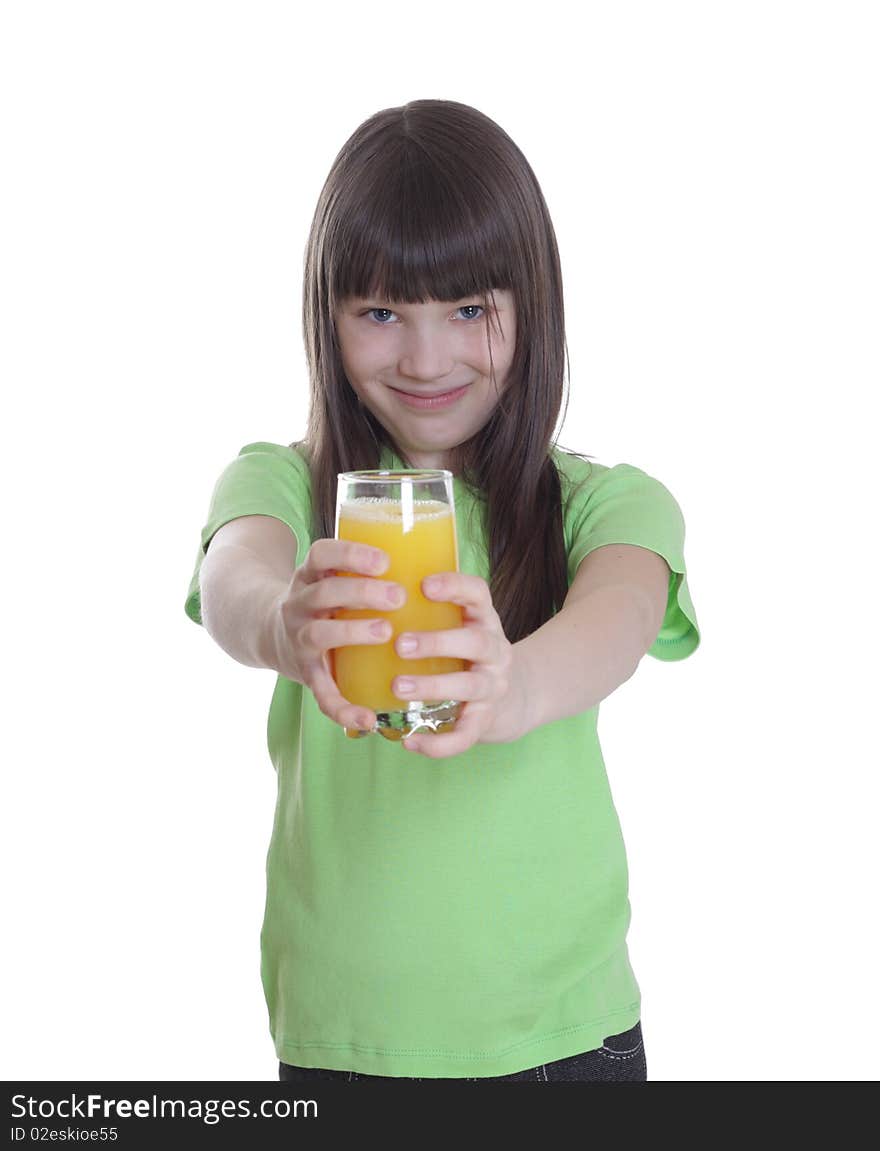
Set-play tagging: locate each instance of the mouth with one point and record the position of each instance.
(438, 400)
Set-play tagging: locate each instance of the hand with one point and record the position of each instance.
(301, 630)
(496, 708)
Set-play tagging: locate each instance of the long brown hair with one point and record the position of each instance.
(433, 201)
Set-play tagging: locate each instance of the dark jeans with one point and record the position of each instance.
(620, 1059)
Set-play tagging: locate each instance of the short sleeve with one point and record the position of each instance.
(264, 479)
(623, 504)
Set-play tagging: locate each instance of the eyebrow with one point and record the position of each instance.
(365, 301)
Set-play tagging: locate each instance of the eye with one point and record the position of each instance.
(472, 307)
(387, 311)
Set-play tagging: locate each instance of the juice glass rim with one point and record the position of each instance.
(397, 474)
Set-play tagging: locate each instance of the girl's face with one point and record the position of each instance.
(395, 357)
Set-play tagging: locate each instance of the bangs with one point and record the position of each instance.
(413, 238)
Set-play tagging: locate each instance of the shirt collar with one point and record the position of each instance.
(389, 461)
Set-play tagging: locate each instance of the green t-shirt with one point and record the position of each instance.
(461, 917)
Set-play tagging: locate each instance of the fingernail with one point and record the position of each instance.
(381, 627)
(406, 686)
(407, 644)
(395, 595)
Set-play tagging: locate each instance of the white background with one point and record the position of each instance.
(712, 173)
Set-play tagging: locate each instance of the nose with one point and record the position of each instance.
(426, 358)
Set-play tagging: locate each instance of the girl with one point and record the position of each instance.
(453, 907)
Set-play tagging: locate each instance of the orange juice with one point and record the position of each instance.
(420, 539)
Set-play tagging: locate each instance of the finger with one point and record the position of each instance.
(472, 643)
(354, 594)
(321, 635)
(326, 557)
(463, 685)
(469, 591)
(335, 706)
(440, 745)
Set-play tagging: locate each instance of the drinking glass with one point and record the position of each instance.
(410, 514)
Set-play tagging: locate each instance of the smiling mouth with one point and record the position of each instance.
(428, 401)
(431, 395)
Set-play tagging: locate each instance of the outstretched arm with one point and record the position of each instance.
(594, 643)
